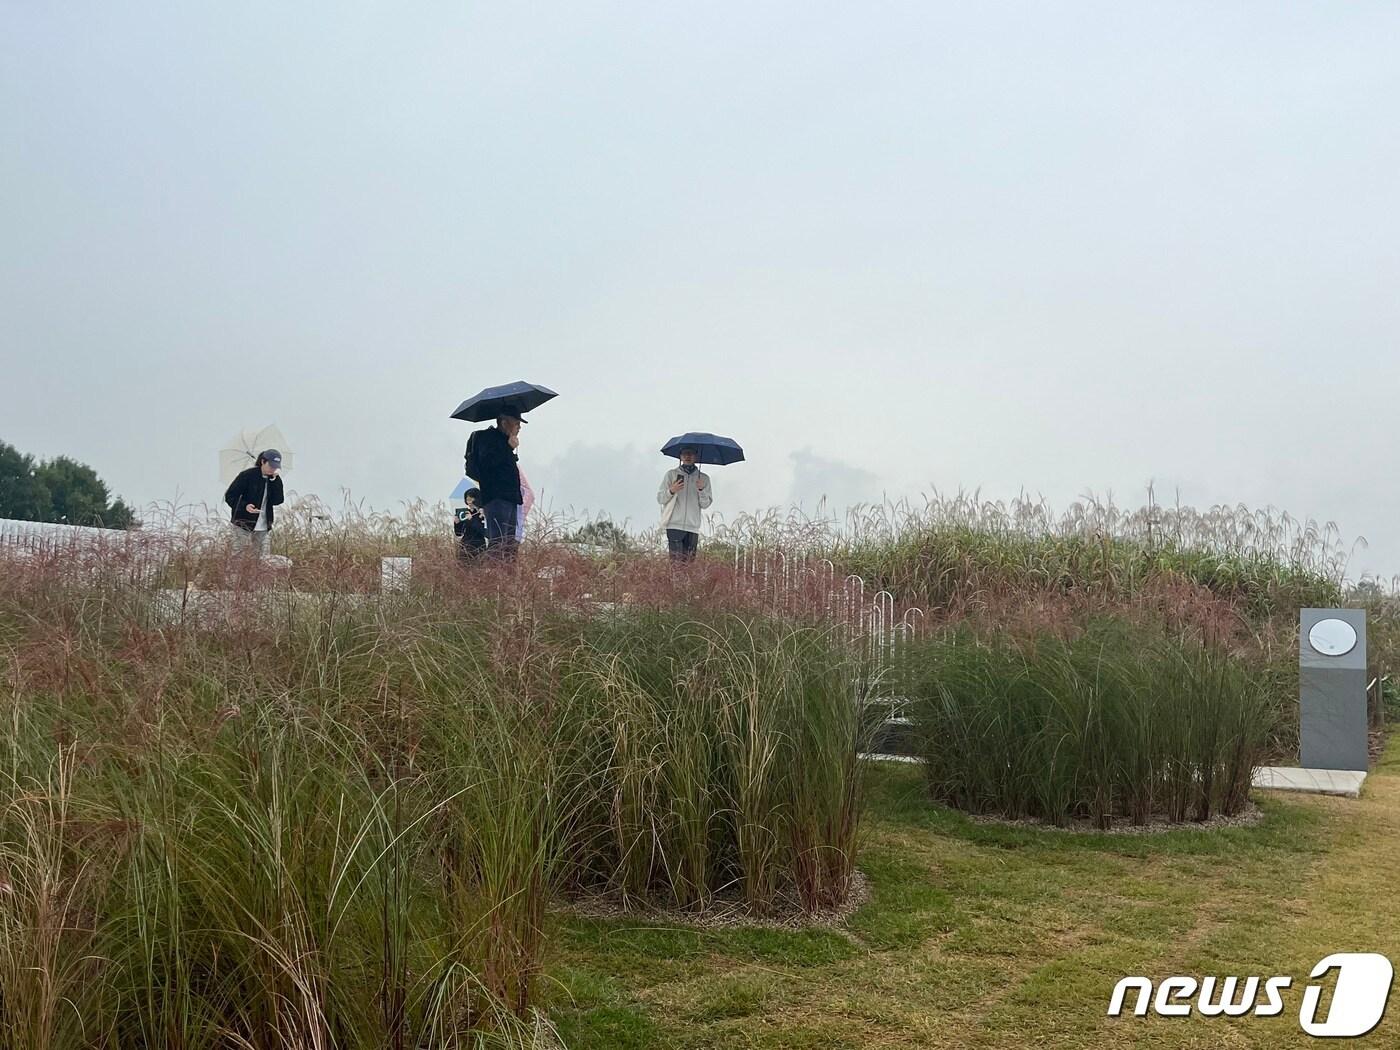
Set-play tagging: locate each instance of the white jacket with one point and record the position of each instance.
(690, 501)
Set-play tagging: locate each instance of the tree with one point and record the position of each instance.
(60, 490)
(603, 533)
(23, 495)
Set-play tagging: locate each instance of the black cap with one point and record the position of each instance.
(272, 456)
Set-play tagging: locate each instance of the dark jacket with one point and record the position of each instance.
(248, 488)
(499, 476)
(470, 527)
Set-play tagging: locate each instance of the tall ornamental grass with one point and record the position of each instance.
(1114, 723)
(320, 823)
(723, 760)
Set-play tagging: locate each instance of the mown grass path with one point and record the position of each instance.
(981, 936)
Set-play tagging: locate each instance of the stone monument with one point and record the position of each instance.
(1332, 689)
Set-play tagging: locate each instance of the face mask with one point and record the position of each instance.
(689, 468)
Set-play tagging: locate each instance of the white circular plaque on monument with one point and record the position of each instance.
(1332, 637)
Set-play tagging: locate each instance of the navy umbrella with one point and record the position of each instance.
(496, 400)
(709, 448)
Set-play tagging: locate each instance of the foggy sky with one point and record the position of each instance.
(1047, 247)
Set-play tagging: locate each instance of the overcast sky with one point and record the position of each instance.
(1056, 247)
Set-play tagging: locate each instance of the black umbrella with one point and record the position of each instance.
(710, 449)
(494, 401)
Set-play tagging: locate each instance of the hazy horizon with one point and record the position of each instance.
(1004, 247)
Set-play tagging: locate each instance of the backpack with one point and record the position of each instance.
(473, 457)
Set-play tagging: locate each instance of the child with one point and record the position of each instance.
(470, 526)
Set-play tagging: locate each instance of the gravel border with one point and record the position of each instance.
(1250, 816)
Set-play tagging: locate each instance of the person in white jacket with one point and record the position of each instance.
(685, 491)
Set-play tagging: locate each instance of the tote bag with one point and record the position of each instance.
(668, 511)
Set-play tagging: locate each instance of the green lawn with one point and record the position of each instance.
(981, 936)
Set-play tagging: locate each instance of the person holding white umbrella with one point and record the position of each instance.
(252, 482)
(252, 497)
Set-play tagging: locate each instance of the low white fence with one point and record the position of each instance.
(870, 619)
(38, 536)
(140, 553)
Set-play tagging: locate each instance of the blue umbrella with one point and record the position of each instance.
(495, 400)
(709, 448)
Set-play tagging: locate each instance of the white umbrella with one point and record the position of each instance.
(242, 451)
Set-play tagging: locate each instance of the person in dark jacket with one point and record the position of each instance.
(493, 464)
(252, 497)
(470, 526)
